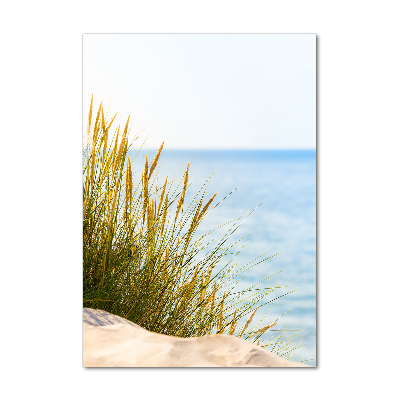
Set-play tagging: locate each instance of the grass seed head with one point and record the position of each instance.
(264, 328)
(121, 149)
(103, 122)
(96, 124)
(145, 188)
(130, 190)
(114, 151)
(162, 195)
(154, 163)
(248, 322)
(233, 324)
(206, 206)
(90, 116)
(164, 215)
(109, 125)
(182, 197)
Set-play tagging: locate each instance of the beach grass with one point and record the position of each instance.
(143, 259)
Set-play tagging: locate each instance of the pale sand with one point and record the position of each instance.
(112, 341)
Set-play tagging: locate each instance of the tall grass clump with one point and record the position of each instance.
(143, 259)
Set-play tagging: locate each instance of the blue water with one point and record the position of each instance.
(285, 181)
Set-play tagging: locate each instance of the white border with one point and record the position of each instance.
(358, 105)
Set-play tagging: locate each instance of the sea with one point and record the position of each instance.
(275, 197)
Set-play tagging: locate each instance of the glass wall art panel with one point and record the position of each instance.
(199, 200)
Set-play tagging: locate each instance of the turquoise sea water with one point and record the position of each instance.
(285, 181)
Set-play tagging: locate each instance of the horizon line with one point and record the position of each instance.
(229, 149)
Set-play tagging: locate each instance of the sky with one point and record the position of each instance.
(206, 91)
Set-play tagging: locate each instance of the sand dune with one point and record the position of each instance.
(112, 341)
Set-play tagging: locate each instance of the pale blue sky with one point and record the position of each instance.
(204, 91)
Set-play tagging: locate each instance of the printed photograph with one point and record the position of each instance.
(199, 200)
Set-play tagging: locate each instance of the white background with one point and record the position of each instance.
(358, 199)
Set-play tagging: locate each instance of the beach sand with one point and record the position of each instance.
(112, 341)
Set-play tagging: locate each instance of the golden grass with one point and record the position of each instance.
(143, 264)
(248, 322)
(263, 329)
(154, 163)
(182, 197)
